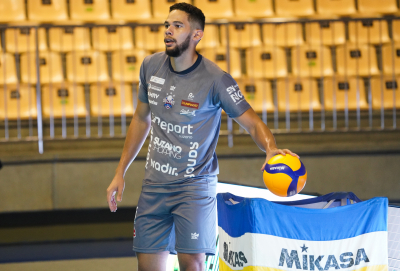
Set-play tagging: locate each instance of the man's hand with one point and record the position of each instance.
(117, 185)
(273, 152)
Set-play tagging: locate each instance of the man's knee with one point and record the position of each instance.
(152, 262)
(191, 262)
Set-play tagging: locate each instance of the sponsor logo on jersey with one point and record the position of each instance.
(195, 235)
(157, 80)
(166, 168)
(175, 128)
(321, 262)
(234, 258)
(153, 95)
(172, 88)
(192, 159)
(169, 101)
(153, 102)
(187, 112)
(235, 93)
(153, 87)
(191, 96)
(190, 104)
(161, 146)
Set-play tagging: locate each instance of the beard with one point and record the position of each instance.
(179, 49)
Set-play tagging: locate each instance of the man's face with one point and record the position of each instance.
(178, 33)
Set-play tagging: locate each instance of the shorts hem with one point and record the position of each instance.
(193, 251)
(152, 251)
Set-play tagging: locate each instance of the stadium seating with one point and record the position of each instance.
(131, 10)
(266, 62)
(47, 10)
(19, 40)
(385, 89)
(8, 73)
(339, 89)
(67, 39)
(356, 60)
(312, 61)
(89, 10)
(210, 38)
(285, 34)
(150, 38)
(258, 94)
(87, 67)
(219, 57)
(294, 7)
(391, 59)
(112, 38)
(161, 8)
(20, 102)
(369, 31)
(126, 65)
(396, 30)
(336, 7)
(63, 100)
(251, 8)
(297, 94)
(215, 9)
(326, 33)
(111, 99)
(50, 68)
(374, 6)
(241, 35)
(12, 11)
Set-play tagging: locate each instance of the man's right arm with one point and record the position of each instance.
(137, 133)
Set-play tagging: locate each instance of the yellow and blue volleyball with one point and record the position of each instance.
(285, 175)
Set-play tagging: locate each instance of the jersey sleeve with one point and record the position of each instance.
(142, 89)
(228, 95)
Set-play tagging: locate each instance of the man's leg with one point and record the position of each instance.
(191, 262)
(152, 262)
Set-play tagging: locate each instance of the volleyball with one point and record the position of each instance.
(285, 175)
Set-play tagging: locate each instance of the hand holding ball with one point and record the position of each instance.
(285, 175)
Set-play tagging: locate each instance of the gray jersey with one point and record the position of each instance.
(185, 121)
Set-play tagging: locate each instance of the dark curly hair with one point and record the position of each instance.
(195, 15)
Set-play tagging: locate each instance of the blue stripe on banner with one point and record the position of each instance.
(261, 216)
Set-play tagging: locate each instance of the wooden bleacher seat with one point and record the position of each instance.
(369, 31)
(161, 8)
(294, 7)
(396, 30)
(384, 89)
(336, 7)
(126, 65)
(20, 101)
(285, 34)
(374, 6)
(150, 38)
(131, 10)
(210, 38)
(50, 68)
(58, 100)
(215, 9)
(253, 9)
(356, 60)
(87, 67)
(89, 10)
(12, 11)
(266, 62)
(112, 38)
(391, 59)
(300, 94)
(241, 35)
(47, 10)
(326, 33)
(7, 68)
(219, 57)
(111, 98)
(312, 61)
(20, 40)
(335, 91)
(70, 38)
(258, 94)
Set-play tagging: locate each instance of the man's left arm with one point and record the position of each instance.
(261, 134)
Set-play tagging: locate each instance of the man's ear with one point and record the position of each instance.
(198, 35)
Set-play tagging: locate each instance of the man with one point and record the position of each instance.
(181, 95)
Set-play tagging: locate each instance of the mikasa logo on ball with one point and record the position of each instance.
(277, 168)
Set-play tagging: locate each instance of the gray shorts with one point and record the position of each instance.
(182, 222)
